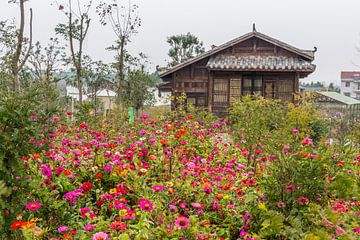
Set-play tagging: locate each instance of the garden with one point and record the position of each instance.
(264, 173)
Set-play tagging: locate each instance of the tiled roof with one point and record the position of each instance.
(350, 75)
(260, 63)
(307, 54)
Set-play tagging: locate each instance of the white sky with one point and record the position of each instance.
(333, 26)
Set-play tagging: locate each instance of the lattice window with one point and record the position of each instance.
(221, 88)
(235, 90)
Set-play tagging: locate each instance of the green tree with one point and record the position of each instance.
(184, 47)
(138, 86)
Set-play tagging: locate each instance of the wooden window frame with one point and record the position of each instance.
(252, 87)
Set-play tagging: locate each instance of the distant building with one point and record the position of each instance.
(338, 105)
(252, 64)
(350, 84)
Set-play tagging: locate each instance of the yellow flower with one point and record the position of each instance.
(143, 170)
(113, 191)
(226, 197)
(122, 212)
(262, 206)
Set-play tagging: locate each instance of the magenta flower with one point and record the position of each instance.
(46, 171)
(89, 227)
(182, 222)
(63, 229)
(145, 205)
(33, 206)
(173, 208)
(142, 132)
(295, 131)
(243, 233)
(100, 236)
(157, 188)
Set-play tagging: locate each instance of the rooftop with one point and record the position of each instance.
(340, 98)
(259, 63)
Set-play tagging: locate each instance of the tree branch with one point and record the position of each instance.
(30, 42)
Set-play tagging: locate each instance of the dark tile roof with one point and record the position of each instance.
(259, 63)
(307, 54)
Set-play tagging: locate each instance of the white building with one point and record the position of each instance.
(350, 84)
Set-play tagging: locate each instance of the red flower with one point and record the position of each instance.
(82, 125)
(98, 175)
(118, 226)
(17, 225)
(68, 113)
(86, 186)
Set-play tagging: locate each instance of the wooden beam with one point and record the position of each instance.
(210, 91)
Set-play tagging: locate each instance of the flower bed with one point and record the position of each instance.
(183, 178)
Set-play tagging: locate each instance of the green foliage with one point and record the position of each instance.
(138, 89)
(184, 47)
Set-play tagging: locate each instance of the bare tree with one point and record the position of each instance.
(17, 63)
(76, 29)
(124, 22)
(45, 60)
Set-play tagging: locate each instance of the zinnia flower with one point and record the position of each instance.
(86, 186)
(145, 205)
(100, 236)
(182, 222)
(33, 206)
(46, 171)
(62, 229)
(89, 227)
(157, 188)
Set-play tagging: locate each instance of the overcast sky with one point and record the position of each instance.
(333, 26)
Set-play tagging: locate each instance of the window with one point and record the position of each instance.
(221, 91)
(347, 84)
(252, 84)
(358, 86)
(347, 94)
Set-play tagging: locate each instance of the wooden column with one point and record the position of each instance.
(173, 91)
(210, 90)
(295, 85)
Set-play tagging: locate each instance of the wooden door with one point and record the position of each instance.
(235, 90)
(270, 89)
(221, 95)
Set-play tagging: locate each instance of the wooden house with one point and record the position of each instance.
(250, 64)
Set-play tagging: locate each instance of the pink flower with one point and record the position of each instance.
(89, 227)
(303, 200)
(145, 205)
(197, 205)
(144, 116)
(173, 208)
(33, 206)
(339, 231)
(243, 233)
(182, 222)
(142, 132)
(356, 230)
(100, 236)
(157, 188)
(290, 188)
(182, 204)
(295, 131)
(63, 229)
